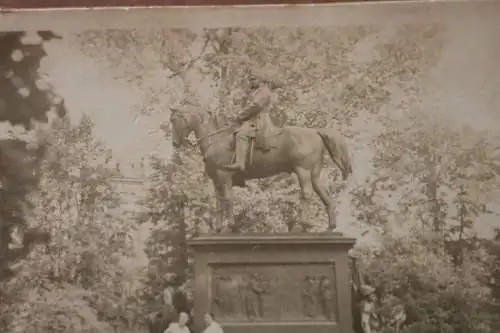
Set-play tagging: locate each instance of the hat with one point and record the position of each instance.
(366, 290)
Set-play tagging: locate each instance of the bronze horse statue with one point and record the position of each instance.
(276, 150)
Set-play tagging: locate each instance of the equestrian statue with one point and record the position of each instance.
(252, 147)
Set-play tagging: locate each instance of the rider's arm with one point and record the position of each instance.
(259, 100)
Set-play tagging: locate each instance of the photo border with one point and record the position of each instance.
(199, 17)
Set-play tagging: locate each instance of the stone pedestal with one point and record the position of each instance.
(268, 283)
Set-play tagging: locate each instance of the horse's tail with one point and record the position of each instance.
(337, 149)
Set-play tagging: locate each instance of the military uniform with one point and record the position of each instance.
(253, 118)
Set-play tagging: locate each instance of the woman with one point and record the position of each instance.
(211, 325)
(369, 318)
(180, 326)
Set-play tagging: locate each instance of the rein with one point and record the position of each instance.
(224, 129)
(216, 132)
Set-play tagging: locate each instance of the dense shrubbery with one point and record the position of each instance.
(439, 296)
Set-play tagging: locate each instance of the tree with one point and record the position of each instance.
(25, 98)
(440, 178)
(437, 296)
(178, 205)
(155, 62)
(81, 266)
(25, 94)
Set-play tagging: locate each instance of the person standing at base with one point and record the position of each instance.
(180, 326)
(211, 325)
(369, 318)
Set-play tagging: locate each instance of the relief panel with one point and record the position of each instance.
(273, 292)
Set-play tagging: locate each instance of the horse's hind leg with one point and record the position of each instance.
(306, 191)
(325, 197)
(219, 209)
(229, 207)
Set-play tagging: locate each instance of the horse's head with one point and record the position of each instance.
(182, 125)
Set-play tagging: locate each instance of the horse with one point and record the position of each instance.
(276, 150)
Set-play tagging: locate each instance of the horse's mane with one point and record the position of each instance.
(215, 119)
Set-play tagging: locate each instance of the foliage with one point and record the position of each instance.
(24, 94)
(178, 207)
(434, 182)
(17, 178)
(25, 98)
(60, 310)
(76, 283)
(438, 295)
(325, 85)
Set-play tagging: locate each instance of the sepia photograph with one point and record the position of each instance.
(316, 168)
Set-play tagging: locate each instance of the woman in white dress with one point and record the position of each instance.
(211, 325)
(180, 326)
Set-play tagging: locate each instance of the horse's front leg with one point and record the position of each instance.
(306, 191)
(219, 211)
(225, 205)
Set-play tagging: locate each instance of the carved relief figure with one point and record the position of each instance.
(310, 297)
(248, 293)
(255, 290)
(225, 296)
(327, 297)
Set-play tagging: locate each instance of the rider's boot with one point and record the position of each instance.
(241, 151)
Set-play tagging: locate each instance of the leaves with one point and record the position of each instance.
(67, 307)
(72, 283)
(25, 96)
(24, 99)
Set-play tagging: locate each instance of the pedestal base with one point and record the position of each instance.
(273, 282)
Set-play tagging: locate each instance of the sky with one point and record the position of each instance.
(468, 75)
(89, 87)
(464, 87)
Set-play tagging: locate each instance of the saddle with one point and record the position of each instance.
(261, 142)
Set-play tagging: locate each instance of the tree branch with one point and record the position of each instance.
(190, 64)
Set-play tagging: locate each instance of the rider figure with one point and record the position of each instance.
(253, 117)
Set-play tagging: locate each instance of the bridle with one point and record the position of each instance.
(181, 114)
